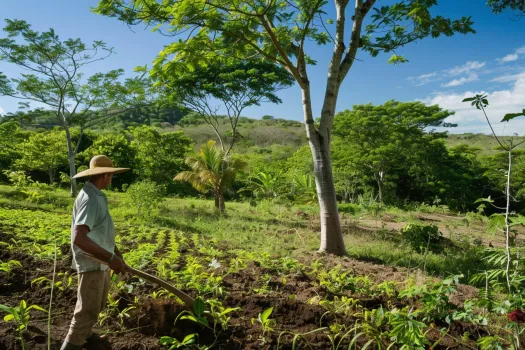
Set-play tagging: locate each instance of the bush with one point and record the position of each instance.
(349, 208)
(422, 238)
(145, 195)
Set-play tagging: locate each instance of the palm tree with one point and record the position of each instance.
(211, 170)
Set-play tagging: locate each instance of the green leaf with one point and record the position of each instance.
(198, 306)
(469, 99)
(9, 317)
(36, 307)
(228, 310)
(395, 59)
(510, 116)
(189, 339)
(6, 308)
(265, 314)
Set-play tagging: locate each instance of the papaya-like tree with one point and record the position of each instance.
(211, 171)
(280, 32)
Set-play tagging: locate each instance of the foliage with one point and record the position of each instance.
(211, 171)
(159, 156)
(145, 196)
(45, 151)
(499, 6)
(55, 82)
(20, 315)
(276, 32)
(237, 85)
(423, 238)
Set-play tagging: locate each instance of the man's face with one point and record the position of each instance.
(107, 180)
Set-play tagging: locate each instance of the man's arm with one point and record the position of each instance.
(86, 244)
(118, 253)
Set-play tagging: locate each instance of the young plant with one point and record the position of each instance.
(265, 321)
(8, 267)
(175, 344)
(20, 315)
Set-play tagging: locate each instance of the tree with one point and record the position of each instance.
(211, 171)
(384, 138)
(45, 151)
(55, 80)
(499, 5)
(236, 85)
(277, 31)
(10, 139)
(159, 156)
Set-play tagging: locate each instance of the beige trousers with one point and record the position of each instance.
(92, 295)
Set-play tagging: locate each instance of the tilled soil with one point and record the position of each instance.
(153, 318)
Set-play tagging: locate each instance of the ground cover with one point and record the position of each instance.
(256, 271)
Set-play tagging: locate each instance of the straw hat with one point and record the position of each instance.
(100, 165)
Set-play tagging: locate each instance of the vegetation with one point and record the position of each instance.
(421, 231)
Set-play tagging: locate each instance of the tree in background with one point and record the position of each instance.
(378, 140)
(198, 86)
(44, 151)
(55, 80)
(277, 32)
(212, 171)
(158, 157)
(11, 136)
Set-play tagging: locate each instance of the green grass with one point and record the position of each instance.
(278, 229)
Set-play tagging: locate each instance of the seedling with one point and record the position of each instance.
(264, 319)
(20, 315)
(175, 344)
(8, 267)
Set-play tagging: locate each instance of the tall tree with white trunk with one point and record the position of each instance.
(277, 31)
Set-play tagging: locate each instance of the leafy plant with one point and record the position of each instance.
(20, 315)
(423, 238)
(265, 321)
(8, 267)
(175, 344)
(145, 196)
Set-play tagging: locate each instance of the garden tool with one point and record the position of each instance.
(188, 301)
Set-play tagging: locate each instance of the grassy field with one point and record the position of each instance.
(258, 274)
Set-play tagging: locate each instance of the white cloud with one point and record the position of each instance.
(521, 50)
(466, 68)
(508, 78)
(509, 58)
(2, 111)
(469, 119)
(425, 78)
(461, 81)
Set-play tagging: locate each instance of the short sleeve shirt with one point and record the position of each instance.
(91, 209)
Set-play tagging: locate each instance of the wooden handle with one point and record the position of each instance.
(188, 301)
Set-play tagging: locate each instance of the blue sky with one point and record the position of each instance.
(442, 71)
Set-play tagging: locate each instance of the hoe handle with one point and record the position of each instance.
(188, 301)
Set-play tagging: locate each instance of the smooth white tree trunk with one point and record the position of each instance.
(71, 160)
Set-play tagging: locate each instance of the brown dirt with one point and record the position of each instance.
(154, 318)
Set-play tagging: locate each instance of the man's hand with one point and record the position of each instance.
(118, 265)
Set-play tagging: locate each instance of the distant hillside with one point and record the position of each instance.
(486, 143)
(256, 134)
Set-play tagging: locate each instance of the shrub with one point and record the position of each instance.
(145, 195)
(422, 238)
(349, 208)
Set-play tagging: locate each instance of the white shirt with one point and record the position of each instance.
(91, 209)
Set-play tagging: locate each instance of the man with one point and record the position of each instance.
(92, 234)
